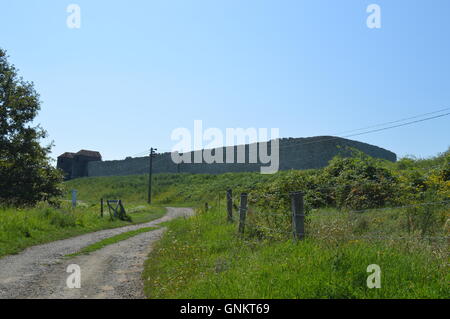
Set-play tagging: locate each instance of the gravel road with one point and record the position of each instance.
(111, 272)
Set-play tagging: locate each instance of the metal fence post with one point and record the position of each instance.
(298, 216)
(230, 205)
(101, 207)
(242, 212)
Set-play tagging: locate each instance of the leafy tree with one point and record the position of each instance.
(26, 173)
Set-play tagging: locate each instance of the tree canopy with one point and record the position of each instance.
(26, 173)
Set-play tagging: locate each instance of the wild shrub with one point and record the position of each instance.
(360, 182)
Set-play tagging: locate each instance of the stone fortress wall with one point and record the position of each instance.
(295, 153)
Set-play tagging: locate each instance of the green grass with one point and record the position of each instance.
(111, 240)
(203, 257)
(21, 228)
(168, 189)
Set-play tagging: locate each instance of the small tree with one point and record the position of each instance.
(26, 175)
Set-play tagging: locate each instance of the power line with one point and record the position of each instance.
(364, 128)
(354, 130)
(371, 131)
(349, 135)
(392, 122)
(399, 125)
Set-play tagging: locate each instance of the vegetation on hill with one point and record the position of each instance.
(210, 259)
(346, 185)
(357, 182)
(350, 224)
(409, 243)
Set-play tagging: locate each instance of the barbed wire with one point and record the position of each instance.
(271, 214)
(351, 236)
(348, 237)
(445, 202)
(379, 236)
(387, 237)
(270, 229)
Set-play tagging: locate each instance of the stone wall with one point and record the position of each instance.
(295, 153)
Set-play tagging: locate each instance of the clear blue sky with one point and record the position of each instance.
(136, 70)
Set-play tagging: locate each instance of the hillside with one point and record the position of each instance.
(360, 211)
(192, 188)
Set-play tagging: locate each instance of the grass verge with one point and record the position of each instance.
(111, 240)
(203, 257)
(21, 228)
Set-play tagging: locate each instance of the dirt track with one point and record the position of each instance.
(111, 272)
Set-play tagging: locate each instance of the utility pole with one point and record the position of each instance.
(152, 154)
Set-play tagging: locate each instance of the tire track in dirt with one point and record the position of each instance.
(111, 272)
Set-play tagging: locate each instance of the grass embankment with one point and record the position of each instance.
(203, 257)
(356, 183)
(168, 189)
(111, 240)
(21, 228)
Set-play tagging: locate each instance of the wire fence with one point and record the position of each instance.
(295, 222)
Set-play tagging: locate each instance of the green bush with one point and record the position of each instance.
(360, 182)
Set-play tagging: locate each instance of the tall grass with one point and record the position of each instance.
(167, 188)
(20, 228)
(203, 257)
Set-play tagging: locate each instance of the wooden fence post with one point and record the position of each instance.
(101, 207)
(242, 212)
(119, 205)
(298, 216)
(230, 205)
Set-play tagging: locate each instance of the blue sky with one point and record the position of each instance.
(136, 70)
